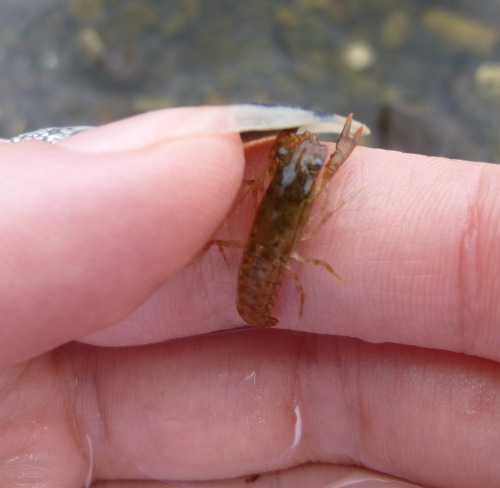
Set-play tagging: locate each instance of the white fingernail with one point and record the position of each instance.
(263, 117)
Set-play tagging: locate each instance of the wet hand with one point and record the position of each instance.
(395, 370)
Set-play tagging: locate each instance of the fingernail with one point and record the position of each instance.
(265, 117)
(154, 127)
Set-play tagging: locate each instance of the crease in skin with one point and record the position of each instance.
(360, 480)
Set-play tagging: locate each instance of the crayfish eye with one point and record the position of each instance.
(315, 164)
(283, 151)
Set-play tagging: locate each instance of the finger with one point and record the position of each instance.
(87, 237)
(155, 127)
(235, 404)
(417, 250)
(310, 476)
(415, 243)
(253, 120)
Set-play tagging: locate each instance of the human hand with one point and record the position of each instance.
(395, 370)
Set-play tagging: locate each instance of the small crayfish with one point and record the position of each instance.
(300, 174)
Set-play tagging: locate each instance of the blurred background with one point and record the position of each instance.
(424, 75)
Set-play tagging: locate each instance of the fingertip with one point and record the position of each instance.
(96, 234)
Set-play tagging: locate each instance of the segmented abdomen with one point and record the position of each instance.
(259, 280)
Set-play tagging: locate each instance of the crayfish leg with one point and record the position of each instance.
(321, 219)
(221, 245)
(317, 262)
(298, 286)
(325, 265)
(295, 276)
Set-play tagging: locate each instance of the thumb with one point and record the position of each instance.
(88, 236)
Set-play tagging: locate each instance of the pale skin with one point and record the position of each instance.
(396, 370)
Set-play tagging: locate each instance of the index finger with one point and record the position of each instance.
(416, 247)
(418, 250)
(88, 236)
